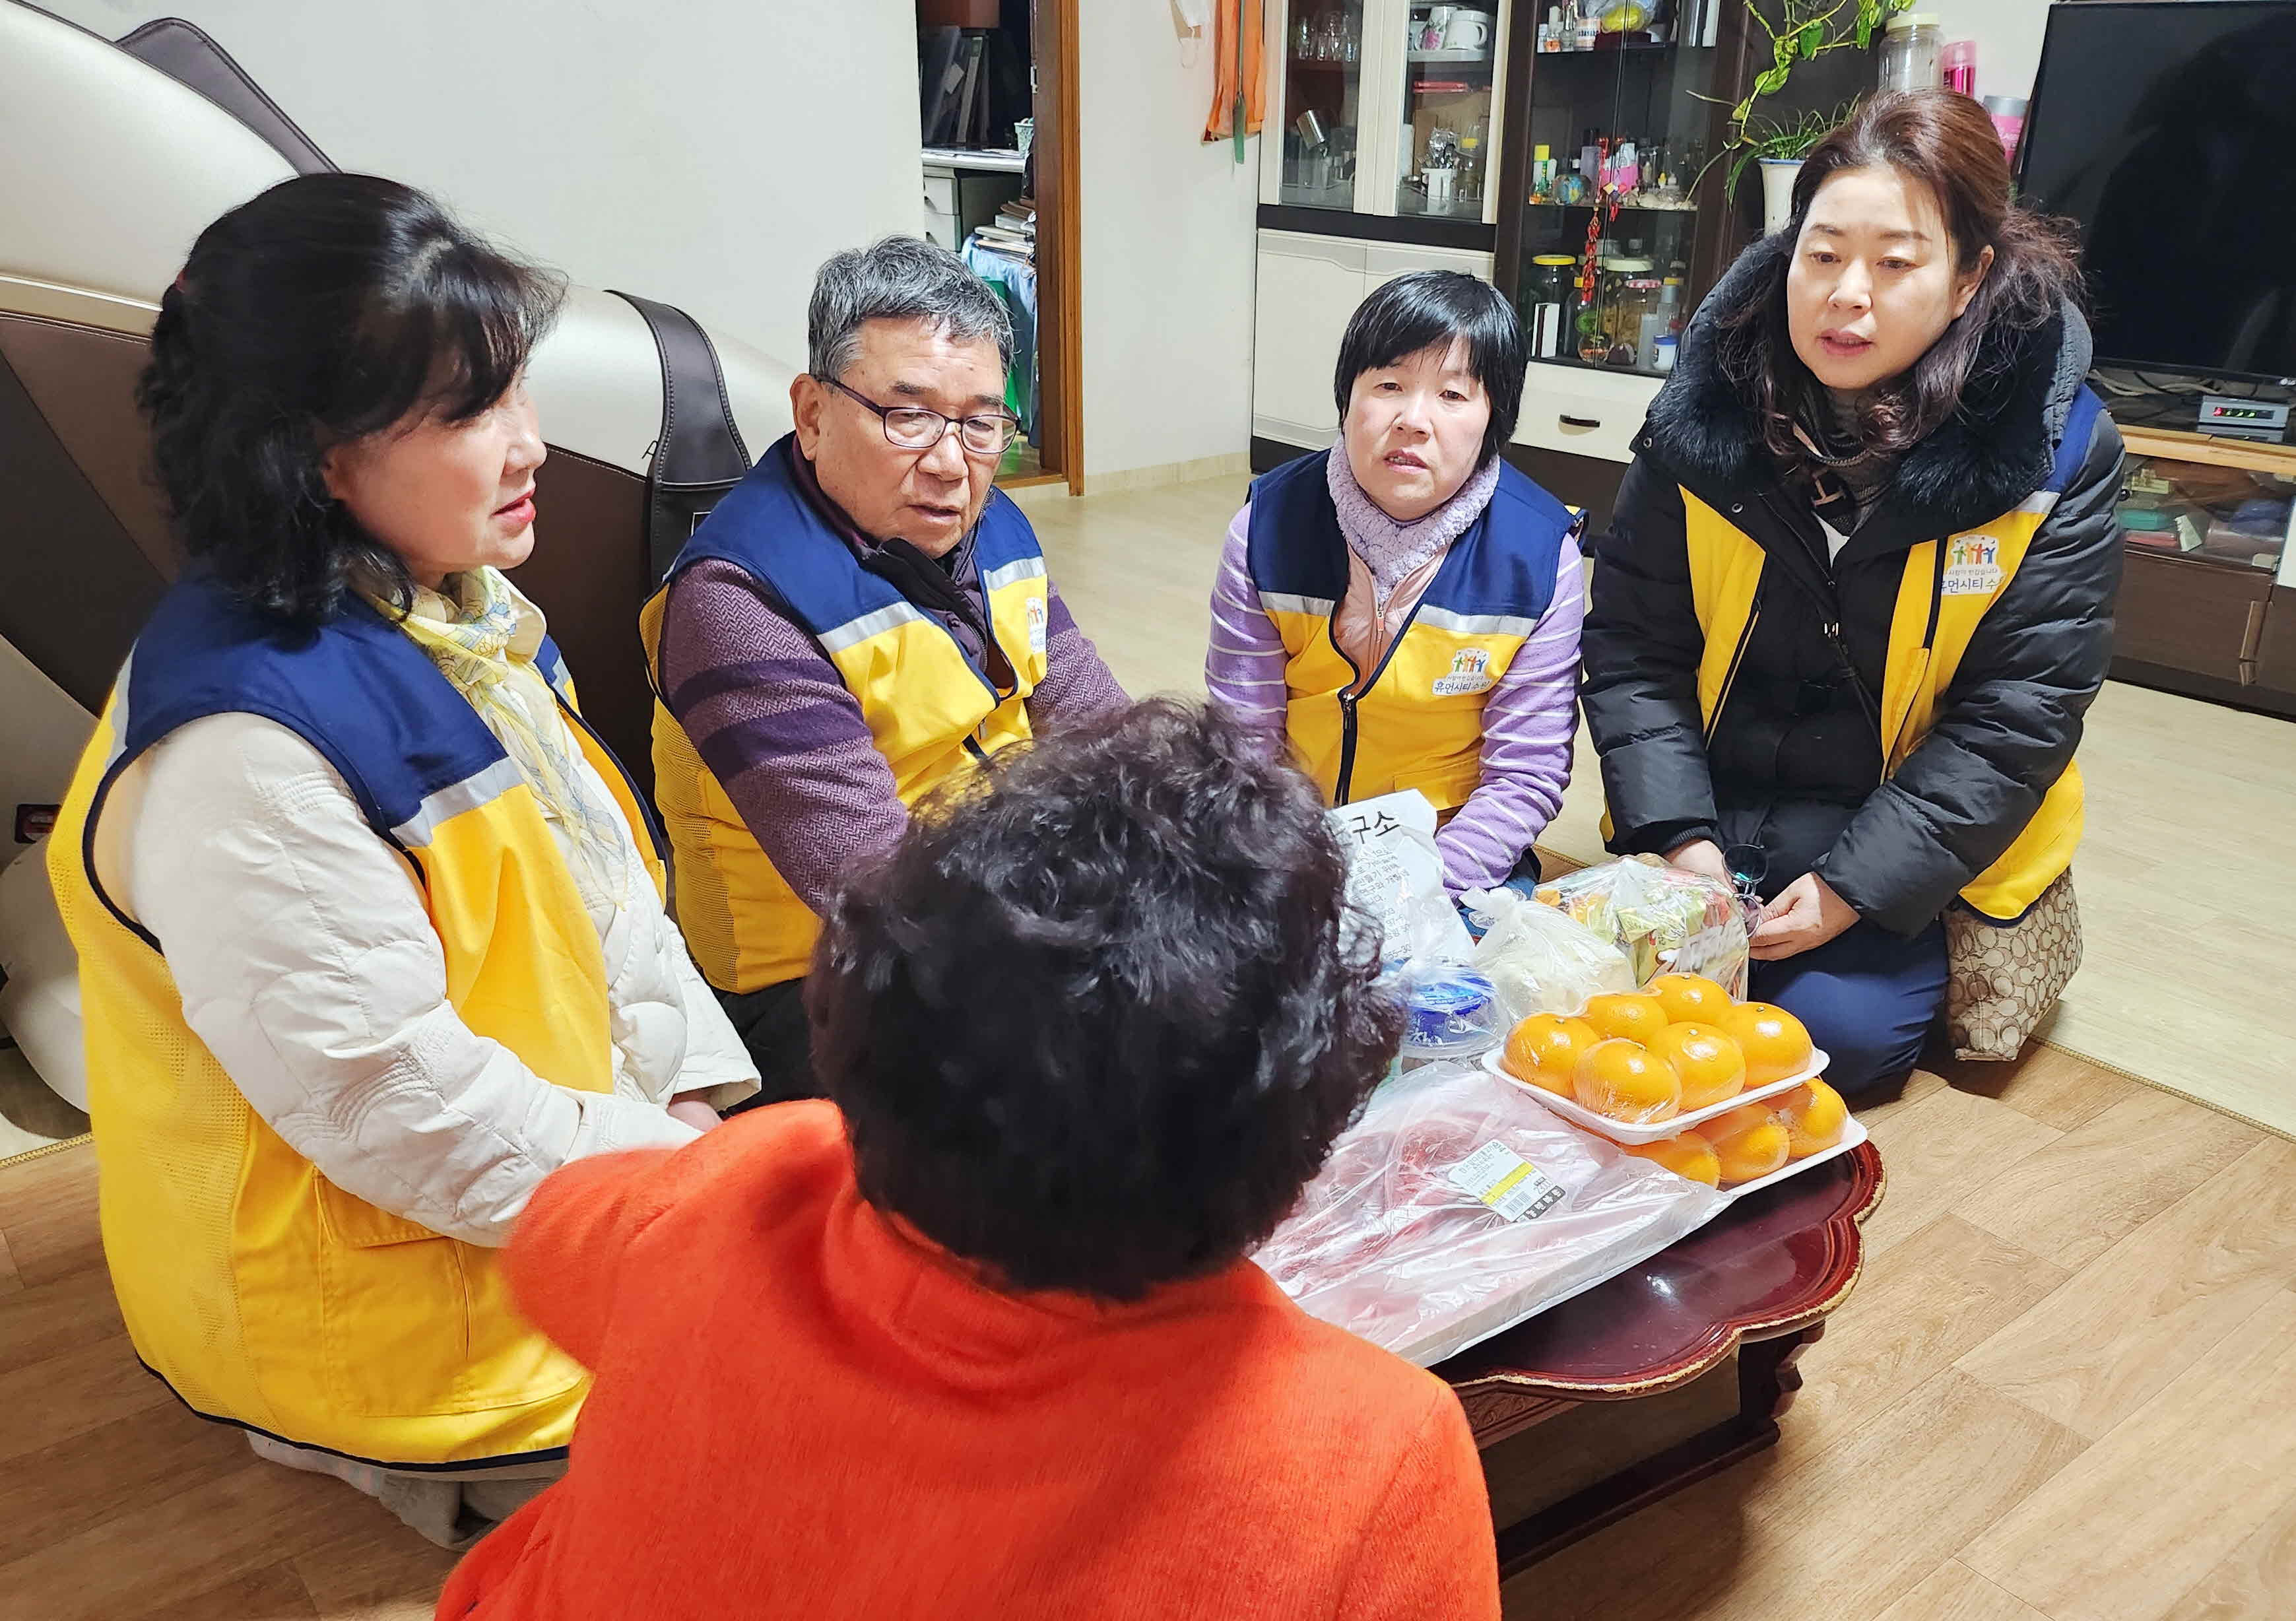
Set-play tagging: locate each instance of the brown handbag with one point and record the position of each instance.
(2003, 978)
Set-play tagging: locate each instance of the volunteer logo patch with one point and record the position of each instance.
(1471, 672)
(1972, 565)
(1036, 625)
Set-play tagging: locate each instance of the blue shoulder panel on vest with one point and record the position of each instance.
(357, 690)
(1504, 565)
(768, 529)
(2073, 449)
(551, 664)
(1004, 536)
(1293, 546)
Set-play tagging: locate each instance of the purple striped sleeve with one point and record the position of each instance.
(1530, 721)
(770, 718)
(1077, 683)
(1243, 667)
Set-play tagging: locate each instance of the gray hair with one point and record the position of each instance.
(901, 278)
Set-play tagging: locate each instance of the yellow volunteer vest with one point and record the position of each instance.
(262, 1293)
(929, 714)
(1947, 589)
(1417, 720)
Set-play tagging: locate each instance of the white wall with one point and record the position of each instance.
(1167, 237)
(708, 153)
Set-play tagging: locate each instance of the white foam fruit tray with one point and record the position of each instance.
(1852, 1135)
(1626, 1131)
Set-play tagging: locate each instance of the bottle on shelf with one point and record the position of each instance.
(1471, 173)
(1542, 174)
(1549, 295)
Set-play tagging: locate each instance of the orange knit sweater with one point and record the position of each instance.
(802, 1411)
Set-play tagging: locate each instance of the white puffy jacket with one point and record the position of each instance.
(307, 965)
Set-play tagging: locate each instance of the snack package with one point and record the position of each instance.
(1458, 1206)
(1664, 919)
(1539, 959)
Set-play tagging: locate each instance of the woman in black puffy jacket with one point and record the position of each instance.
(1859, 593)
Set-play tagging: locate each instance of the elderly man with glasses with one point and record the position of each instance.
(863, 618)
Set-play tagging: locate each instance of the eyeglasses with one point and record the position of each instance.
(914, 427)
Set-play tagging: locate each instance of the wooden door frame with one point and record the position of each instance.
(1059, 273)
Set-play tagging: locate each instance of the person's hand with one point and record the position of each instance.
(695, 1113)
(1805, 916)
(1703, 857)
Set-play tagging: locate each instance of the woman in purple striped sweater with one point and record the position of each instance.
(1403, 609)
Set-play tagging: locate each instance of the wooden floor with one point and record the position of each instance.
(2064, 1390)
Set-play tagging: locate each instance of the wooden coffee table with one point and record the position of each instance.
(1665, 1373)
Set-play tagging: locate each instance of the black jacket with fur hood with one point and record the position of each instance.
(1795, 766)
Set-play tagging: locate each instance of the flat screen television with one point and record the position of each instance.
(2167, 132)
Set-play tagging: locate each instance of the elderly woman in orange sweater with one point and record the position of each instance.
(979, 1337)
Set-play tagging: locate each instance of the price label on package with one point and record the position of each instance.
(1497, 1176)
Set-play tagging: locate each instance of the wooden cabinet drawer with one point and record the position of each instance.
(1584, 413)
(2276, 655)
(2199, 617)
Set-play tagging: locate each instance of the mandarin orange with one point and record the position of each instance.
(1619, 1078)
(1544, 1049)
(1690, 997)
(1751, 1142)
(1635, 1015)
(1688, 1155)
(1774, 1041)
(1709, 1063)
(1814, 1115)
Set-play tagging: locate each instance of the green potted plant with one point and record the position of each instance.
(1803, 31)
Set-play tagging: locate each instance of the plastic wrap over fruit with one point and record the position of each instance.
(1664, 919)
(1539, 959)
(1458, 1206)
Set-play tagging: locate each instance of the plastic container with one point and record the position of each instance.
(1912, 56)
(1663, 353)
(1961, 67)
(1547, 293)
(2008, 115)
(1655, 1131)
(1455, 1012)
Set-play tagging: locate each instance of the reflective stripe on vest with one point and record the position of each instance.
(263, 1293)
(931, 714)
(1418, 721)
(1946, 590)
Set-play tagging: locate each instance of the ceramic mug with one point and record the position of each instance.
(1466, 30)
(1437, 27)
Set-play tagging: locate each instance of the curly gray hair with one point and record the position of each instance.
(901, 278)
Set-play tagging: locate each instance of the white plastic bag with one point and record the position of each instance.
(1458, 1206)
(1666, 921)
(1395, 880)
(1540, 961)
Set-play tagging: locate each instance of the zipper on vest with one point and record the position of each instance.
(1349, 698)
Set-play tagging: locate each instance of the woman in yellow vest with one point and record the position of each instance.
(370, 924)
(1859, 593)
(1403, 608)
